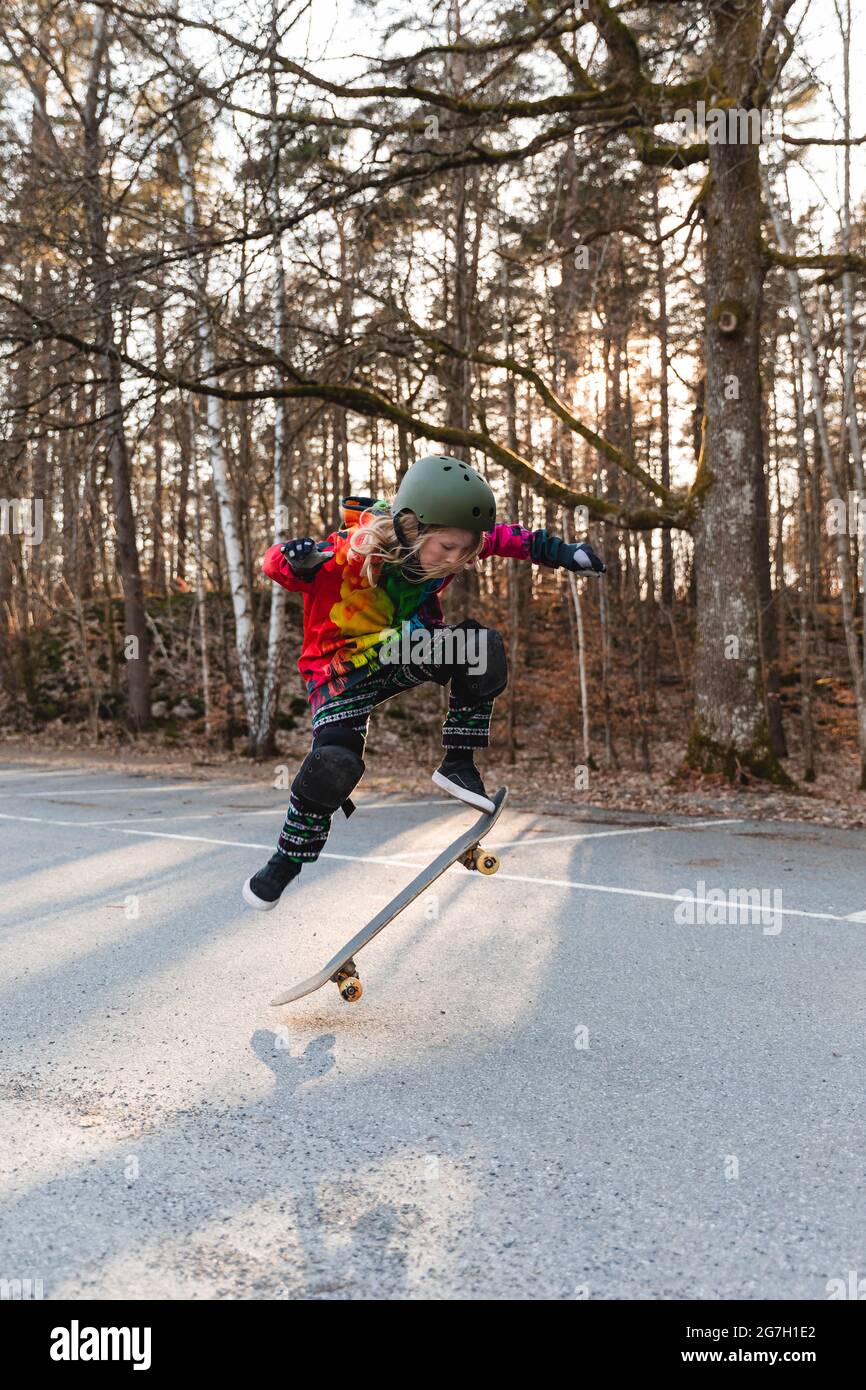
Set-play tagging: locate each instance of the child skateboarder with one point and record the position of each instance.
(374, 628)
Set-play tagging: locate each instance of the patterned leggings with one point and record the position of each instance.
(344, 719)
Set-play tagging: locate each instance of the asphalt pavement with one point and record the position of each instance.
(628, 1065)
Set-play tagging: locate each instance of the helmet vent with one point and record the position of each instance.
(446, 468)
(476, 511)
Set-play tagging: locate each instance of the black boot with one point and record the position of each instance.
(458, 775)
(264, 889)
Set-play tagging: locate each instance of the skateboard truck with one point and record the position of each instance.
(480, 859)
(348, 983)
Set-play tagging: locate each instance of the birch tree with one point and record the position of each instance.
(239, 587)
(263, 733)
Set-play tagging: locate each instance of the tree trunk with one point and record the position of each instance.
(767, 605)
(667, 594)
(265, 731)
(157, 563)
(136, 646)
(730, 731)
(225, 495)
(200, 591)
(805, 560)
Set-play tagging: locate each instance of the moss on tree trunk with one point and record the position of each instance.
(738, 764)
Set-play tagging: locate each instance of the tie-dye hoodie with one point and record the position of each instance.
(346, 620)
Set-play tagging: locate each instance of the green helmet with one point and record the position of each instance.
(444, 491)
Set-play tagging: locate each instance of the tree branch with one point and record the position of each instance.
(366, 401)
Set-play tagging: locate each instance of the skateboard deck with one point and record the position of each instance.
(465, 849)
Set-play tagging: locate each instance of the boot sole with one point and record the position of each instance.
(252, 900)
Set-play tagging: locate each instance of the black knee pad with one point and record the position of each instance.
(327, 775)
(346, 738)
(472, 687)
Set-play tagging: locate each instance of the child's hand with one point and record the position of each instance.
(304, 557)
(559, 554)
(583, 557)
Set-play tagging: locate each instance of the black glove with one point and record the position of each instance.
(584, 558)
(305, 558)
(555, 553)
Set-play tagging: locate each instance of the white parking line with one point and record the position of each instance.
(501, 877)
(247, 844)
(235, 813)
(159, 819)
(96, 791)
(7, 773)
(253, 787)
(66, 793)
(193, 839)
(543, 839)
(664, 897)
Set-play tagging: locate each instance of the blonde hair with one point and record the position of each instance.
(376, 542)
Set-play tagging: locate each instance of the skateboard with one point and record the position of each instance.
(466, 849)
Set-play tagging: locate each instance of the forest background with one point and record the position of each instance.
(258, 256)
